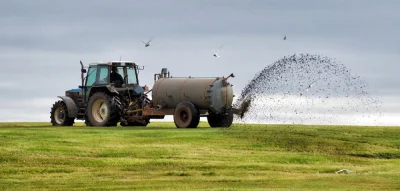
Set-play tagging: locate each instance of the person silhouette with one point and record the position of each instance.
(116, 78)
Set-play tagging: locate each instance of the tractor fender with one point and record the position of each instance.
(108, 89)
(71, 106)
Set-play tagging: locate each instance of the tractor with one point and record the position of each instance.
(110, 94)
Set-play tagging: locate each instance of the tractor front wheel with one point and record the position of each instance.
(59, 115)
(103, 110)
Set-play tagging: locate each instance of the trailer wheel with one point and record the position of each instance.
(59, 115)
(103, 110)
(186, 115)
(215, 120)
(196, 120)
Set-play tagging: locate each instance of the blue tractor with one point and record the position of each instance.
(109, 93)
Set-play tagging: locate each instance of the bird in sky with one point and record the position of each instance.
(284, 38)
(147, 44)
(216, 52)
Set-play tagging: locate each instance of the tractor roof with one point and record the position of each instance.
(114, 63)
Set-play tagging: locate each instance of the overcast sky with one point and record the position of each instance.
(41, 43)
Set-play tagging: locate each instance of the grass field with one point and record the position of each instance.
(37, 156)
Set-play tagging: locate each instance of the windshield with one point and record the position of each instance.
(131, 72)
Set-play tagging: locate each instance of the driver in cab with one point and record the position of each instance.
(116, 78)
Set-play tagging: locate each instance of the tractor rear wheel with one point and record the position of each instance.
(87, 122)
(215, 120)
(59, 115)
(103, 110)
(186, 115)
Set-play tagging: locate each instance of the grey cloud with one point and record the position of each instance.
(60, 24)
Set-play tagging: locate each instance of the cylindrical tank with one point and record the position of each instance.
(212, 94)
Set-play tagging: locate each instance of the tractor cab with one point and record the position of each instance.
(116, 77)
(119, 74)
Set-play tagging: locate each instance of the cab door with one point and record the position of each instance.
(98, 76)
(90, 80)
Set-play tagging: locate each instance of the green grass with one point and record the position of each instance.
(37, 156)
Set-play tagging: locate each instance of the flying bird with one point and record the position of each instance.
(147, 44)
(284, 38)
(216, 52)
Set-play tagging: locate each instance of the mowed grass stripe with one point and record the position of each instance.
(162, 157)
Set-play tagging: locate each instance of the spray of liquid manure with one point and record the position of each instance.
(307, 89)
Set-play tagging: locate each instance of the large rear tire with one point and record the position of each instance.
(59, 115)
(215, 120)
(87, 122)
(186, 115)
(103, 110)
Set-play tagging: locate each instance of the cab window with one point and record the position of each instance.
(132, 78)
(91, 76)
(103, 75)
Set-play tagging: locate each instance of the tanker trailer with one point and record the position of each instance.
(189, 98)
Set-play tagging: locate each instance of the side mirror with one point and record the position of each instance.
(83, 70)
